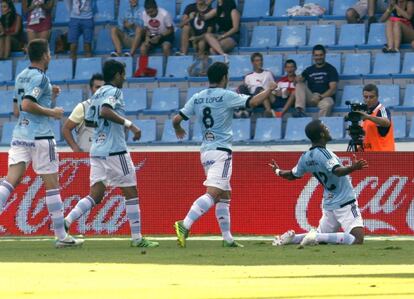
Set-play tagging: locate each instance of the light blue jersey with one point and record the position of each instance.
(108, 137)
(321, 162)
(33, 84)
(213, 108)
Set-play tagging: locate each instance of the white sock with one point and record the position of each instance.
(55, 208)
(83, 206)
(223, 219)
(335, 238)
(198, 209)
(134, 216)
(5, 190)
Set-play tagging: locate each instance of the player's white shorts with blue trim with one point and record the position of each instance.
(347, 218)
(41, 153)
(218, 167)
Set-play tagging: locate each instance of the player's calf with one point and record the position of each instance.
(358, 233)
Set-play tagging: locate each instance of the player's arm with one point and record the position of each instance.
(67, 135)
(286, 174)
(16, 111)
(108, 113)
(179, 131)
(258, 99)
(345, 170)
(30, 105)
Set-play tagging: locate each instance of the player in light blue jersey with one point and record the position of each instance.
(213, 110)
(33, 139)
(111, 164)
(340, 206)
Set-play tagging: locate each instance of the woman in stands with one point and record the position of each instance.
(228, 28)
(399, 24)
(39, 18)
(10, 29)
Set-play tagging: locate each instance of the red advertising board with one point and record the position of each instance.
(262, 203)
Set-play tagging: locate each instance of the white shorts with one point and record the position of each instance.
(41, 153)
(115, 171)
(347, 218)
(217, 167)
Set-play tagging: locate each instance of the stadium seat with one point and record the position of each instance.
(60, 69)
(357, 64)
(264, 37)
(281, 7)
(104, 42)
(411, 134)
(322, 35)
(155, 62)
(389, 95)
(341, 6)
(256, 8)
(408, 65)
(135, 100)
(68, 99)
(400, 126)
(148, 131)
(268, 129)
(241, 129)
(386, 64)
(352, 93)
(164, 100)
(21, 65)
(352, 35)
(274, 63)
(335, 125)
(55, 124)
(6, 100)
(86, 67)
(6, 70)
(61, 13)
(240, 65)
(177, 66)
(335, 60)
(128, 64)
(376, 36)
(192, 91)
(302, 61)
(322, 3)
(293, 36)
(409, 96)
(168, 133)
(295, 128)
(105, 11)
(7, 132)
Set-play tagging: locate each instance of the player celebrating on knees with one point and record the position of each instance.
(213, 109)
(111, 164)
(340, 208)
(33, 138)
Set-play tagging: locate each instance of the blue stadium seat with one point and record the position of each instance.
(408, 65)
(241, 129)
(335, 59)
(411, 134)
(7, 132)
(400, 126)
(385, 64)
(19, 8)
(60, 69)
(256, 8)
(352, 93)
(128, 64)
(240, 65)
(104, 42)
(293, 36)
(61, 13)
(6, 70)
(184, 4)
(281, 7)
(376, 36)
(357, 64)
(55, 124)
(322, 3)
(274, 63)
(168, 133)
(6, 100)
(352, 34)
(335, 125)
(295, 128)
(322, 35)
(155, 62)
(341, 6)
(389, 95)
(68, 99)
(268, 129)
(193, 90)
(21, 65)
(264, 37)
(177, 66)
(302, 61)
(409, 96)
(105, 11)
(148, 131)
(86, 67)
(135, 100)
(164, 100)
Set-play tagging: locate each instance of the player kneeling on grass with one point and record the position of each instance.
(340, 208)
(111, 164)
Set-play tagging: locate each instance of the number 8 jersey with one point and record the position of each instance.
(321, 162)
(213, 108)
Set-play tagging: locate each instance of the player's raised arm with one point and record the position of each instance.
(109, 114)
(286, 174)
(258, 99)
(345, 170)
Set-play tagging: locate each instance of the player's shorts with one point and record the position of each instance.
(115, 171)
(217, 167)
(347, 218)
(41, 153)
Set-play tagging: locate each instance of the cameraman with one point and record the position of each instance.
(377, 125)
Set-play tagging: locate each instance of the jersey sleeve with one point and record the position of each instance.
(113, 99)
(188, 110)
(236, 100)
(300, 169)
(36, 87)
(77, 115)
(328, 160)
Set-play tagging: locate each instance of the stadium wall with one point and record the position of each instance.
(261, 202)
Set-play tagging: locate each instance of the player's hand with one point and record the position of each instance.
(180, 133)
(137, 133)
(56, 90)
(274, 165)
(359, 164)
(57, 112)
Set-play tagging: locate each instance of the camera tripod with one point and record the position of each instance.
(355, 145)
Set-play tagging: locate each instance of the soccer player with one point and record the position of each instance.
(33, 140)
(340, 207)
(111, 164)
(213, 109)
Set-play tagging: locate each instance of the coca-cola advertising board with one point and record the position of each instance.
(261, 204)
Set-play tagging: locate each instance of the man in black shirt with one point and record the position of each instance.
(320, 88)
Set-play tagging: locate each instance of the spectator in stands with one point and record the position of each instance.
(81, 23)
(377, 124)
(194, 25)
(399, 24)
(11, 29)
(129, 31)
(39, 18)
(228, 28)
(362, 8)
(321, 82)
(285, 92)
(76, 121)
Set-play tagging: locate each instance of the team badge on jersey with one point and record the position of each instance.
(209, 136)
(101, 138)
(112, 99)
(36, 92)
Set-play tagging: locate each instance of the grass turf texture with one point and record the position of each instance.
(112, 269)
